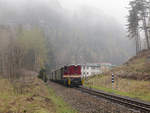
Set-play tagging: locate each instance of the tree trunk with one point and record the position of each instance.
(146, 33)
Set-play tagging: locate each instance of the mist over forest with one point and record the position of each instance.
(61, 36)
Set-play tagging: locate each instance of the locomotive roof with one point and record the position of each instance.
(72, 65)
(65, 66)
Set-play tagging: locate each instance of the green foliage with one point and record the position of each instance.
(34, 45)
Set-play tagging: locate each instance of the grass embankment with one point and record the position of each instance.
(32, 96)
(133, 78)
(125, 87)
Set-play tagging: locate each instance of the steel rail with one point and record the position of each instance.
(142, 106)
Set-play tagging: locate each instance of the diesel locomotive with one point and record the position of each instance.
(69, 75)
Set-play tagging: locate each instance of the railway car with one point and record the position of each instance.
(69, 75)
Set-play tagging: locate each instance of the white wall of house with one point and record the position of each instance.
(90, 69)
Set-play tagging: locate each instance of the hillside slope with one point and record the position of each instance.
(130, 79)
(138, 67)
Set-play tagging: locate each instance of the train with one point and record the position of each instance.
(68, 75)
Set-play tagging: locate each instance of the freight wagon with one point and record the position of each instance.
(69, 75)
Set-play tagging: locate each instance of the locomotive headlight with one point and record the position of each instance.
(82, 81)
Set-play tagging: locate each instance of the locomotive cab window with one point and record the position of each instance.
(76, 67)
(65, 69)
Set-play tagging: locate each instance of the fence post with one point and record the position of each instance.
(112, 81)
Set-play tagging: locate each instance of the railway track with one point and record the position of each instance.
(141, 106)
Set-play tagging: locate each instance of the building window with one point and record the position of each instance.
(83, 67)
(93, 67)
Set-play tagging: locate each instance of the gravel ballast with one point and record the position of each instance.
(85, 103)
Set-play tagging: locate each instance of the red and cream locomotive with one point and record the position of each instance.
(69, 75)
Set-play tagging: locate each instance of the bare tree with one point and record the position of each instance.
(138, 22)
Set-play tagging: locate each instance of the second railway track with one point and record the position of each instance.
(141, 106)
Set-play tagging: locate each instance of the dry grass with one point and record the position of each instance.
(133, 78)
(126, 87)
(137, 68)
(33, 99)
(30, 95)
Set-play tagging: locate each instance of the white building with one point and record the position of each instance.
(90, 69)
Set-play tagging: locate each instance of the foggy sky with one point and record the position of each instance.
(114, 8)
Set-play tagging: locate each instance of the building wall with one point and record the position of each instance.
(90, 69)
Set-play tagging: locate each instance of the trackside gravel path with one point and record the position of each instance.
(85, 103)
